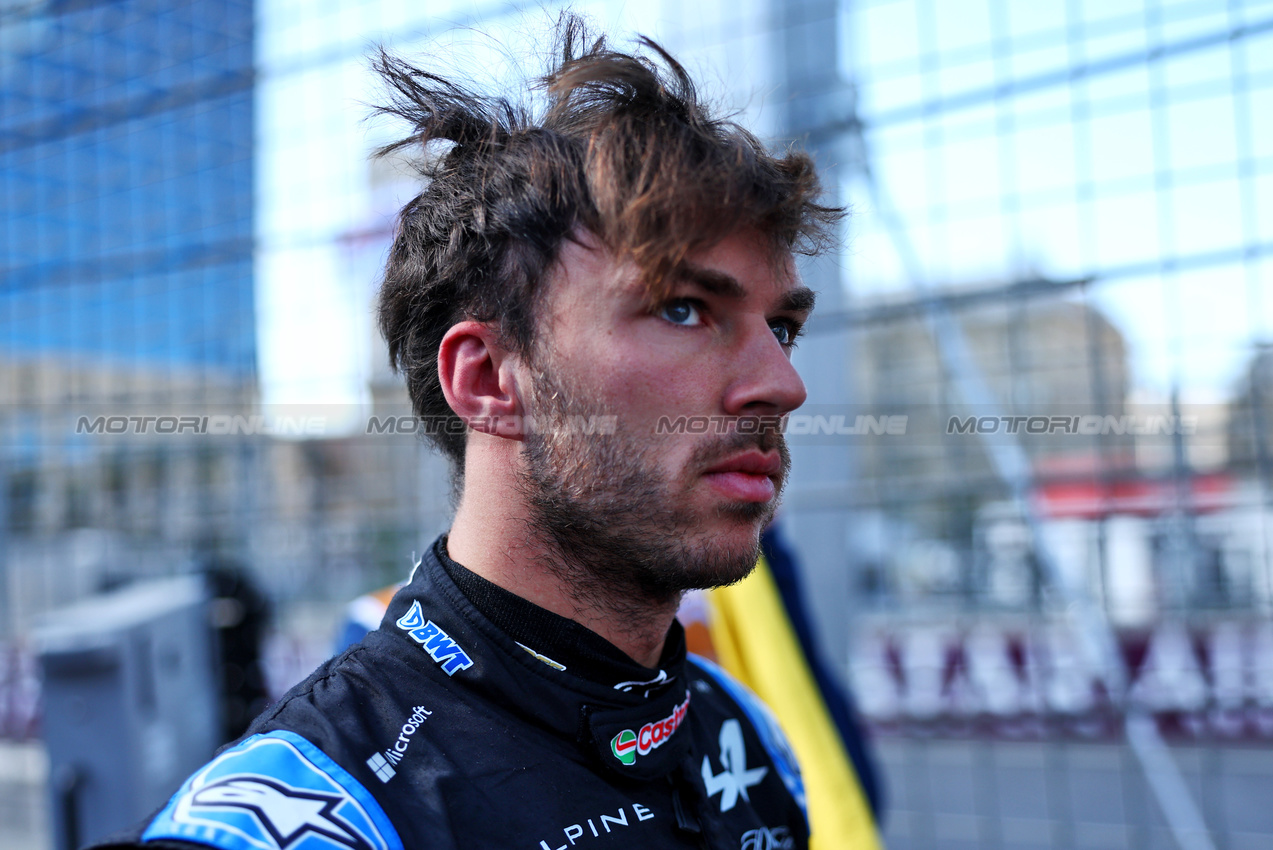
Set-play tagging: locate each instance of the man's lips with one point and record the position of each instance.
(754, 462)
(748, 477)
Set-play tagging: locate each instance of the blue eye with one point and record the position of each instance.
(682, 311)
(785, 332)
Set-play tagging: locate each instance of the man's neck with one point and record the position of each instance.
(493, 535)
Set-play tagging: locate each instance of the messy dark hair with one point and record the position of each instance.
(621, 147)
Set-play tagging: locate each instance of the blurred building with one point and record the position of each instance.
(1039, 358)
(126, 254)
(100, 484)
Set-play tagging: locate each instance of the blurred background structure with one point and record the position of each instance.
(1033, 487)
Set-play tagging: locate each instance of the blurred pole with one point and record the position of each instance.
(1106, 475)
(1261, 374)
(68, 782)
(1181, 561)
(1164, 778)
(8, 598)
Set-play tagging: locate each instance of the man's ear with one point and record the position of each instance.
(479, 379)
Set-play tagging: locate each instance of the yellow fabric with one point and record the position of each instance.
(755, 642)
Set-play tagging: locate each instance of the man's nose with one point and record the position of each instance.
(766, 384)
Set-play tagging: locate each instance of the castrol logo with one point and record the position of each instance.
(627, 745)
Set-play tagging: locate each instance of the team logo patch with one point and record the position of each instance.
(275, 792)
(732, 782)
(286, 813)
(627, 745)
(624, 746)
(766, 726)
(768, 838)
(435, 641)
(385, 764)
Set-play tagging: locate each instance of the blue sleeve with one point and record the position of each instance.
(270, 791)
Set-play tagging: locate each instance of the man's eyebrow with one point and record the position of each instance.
(711, 281)
(799, 300)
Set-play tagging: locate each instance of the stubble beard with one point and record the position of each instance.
(620, 535)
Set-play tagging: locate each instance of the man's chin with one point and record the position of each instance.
(732, 547)
(754, 514)
(725, 576)
(718, 570)
(717, 557)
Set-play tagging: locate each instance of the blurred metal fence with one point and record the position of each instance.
(1047, 369)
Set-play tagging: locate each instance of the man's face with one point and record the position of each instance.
(650, 509)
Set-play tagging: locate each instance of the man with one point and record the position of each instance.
(594, 309)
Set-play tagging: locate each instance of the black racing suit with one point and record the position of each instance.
(473, 719)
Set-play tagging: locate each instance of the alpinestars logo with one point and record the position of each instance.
(735, 779)
(383, 764)
(435, 641)
(287, 814)
(628, 744)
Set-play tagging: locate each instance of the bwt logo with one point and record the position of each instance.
(435, 641)
(1091, 425)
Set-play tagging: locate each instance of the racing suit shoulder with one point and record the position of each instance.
(273, 789)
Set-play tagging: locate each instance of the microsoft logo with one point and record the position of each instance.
(381, 766)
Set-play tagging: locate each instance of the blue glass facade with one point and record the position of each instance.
(126, 174)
